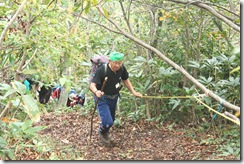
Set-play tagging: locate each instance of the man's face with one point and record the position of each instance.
(115, 65)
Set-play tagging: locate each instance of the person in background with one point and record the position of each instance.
(56, 93)
(43, 92)
(73, 98)
(116, 73)
(27, 85)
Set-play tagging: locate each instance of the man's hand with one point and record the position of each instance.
(137, 94)
(99, 93)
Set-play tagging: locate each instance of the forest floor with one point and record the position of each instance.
(70, 134)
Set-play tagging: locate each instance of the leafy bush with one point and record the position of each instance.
(16, 136)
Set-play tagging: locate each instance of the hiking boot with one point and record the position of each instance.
(104, 138)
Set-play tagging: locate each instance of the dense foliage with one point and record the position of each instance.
(52, 42)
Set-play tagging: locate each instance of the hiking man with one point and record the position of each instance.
(116, 73)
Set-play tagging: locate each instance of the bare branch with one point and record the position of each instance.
(126, 20)
(117, 32)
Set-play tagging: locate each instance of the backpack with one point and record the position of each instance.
(97, 61)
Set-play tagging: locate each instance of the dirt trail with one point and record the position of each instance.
(132, 141)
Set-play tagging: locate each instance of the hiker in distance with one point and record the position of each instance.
(116, 73)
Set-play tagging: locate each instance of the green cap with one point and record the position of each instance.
(115, 56)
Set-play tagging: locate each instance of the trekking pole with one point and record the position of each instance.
(98, 99)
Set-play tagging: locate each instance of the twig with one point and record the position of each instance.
(29, 60)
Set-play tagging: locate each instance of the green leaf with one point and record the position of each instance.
(26, 125)
(147, 83)
(65, 3)
(11, 59)
(105, 13)
(175, 103)
(194, 64)
(19, 87)
(140, 59)
(236, 50)
(9, 92)
(235, 70)
(34, 130)
(4, 87)
(30, 71)
(94, 2)
(15, 126)
(87, 8)
(3, 143)
(151, 62)
(62, 81)
(16, 102)
(47, 2)
(31, 108)
(167, 72)
(77, 6)
(230, 149)
(10, 153)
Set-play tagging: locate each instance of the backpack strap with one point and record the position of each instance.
(105, 68)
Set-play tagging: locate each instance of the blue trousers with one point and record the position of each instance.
(106, 110)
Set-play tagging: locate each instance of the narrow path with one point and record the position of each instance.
(132, 141)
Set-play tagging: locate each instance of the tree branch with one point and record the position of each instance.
(126, 20)
(100, 25)
(211, 10)
(32, 57)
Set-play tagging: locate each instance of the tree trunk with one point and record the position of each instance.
(63, 98)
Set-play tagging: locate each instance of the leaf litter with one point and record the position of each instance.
(142, 140)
